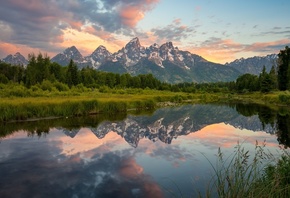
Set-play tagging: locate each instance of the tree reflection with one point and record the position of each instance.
(42, 127)
(283, 130)
(279, 120)
(165, 124)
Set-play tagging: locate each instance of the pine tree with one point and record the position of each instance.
(273, 77)
(72, 74)
(284, 69)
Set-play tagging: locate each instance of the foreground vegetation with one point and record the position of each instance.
(20, 103)
(242, 174)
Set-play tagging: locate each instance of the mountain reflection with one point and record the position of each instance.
(165, 124)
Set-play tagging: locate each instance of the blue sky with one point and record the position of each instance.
(219, 30)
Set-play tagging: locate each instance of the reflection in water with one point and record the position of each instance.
(135, 156)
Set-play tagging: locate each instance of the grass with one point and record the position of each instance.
(60, 104)
(243, 175)
(20, 103)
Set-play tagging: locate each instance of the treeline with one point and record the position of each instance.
(41, 71)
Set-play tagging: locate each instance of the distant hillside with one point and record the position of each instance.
(254, 65)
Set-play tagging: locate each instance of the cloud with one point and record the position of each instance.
(217, 50)
(42, 23)
(173, 32)
(32, 23)
(267, 47)
(226, 50)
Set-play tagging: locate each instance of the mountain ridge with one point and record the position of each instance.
(166, 62)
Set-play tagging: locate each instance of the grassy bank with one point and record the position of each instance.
(84, 102)
(20, 103)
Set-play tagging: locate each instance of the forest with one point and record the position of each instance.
(41, 73)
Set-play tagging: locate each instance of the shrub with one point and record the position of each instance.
(60, 86)
(284, 98)
(46, 85)
(18, 91)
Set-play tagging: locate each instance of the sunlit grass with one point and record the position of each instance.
(18, 102)
(84, 102)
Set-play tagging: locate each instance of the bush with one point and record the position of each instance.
(3, 79)
(18, 91)
(46, 85)
(284, 98)
(60, 86)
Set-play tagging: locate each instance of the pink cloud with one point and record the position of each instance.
(266, 45)
(218, 50)
(130, 169)
(227, 50)
(132, 14)
(9, 48)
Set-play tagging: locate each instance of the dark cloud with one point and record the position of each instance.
(40, 23)
(276, 31)
(36, 26)
(173, 32)
(284, 32)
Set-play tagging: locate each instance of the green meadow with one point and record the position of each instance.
(21, 103)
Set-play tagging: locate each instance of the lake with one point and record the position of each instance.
(166, 153)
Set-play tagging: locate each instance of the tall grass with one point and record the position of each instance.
(243, 175)
(36, 102)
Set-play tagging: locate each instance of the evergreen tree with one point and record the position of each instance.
(284, 69)
(72, 74)
(247, 82)
(262, 78)
(56, 71)
(37, 69)
(124, 80)
(273, 77)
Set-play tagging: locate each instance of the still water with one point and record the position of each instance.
(166, 153)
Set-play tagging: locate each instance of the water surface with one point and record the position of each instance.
(163, 154)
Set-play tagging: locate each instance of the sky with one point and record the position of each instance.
(218, 30)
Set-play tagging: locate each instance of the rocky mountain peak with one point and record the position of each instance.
(154, 47)
(73, 53)
(134, 43)
(16, 59)
(168, 52)
(131, 54)
(254, 65)
(167, 46)
(98, 57)
(101, 50)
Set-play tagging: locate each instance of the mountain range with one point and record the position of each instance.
(166, 62)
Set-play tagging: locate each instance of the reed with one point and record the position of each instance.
(243, 175)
